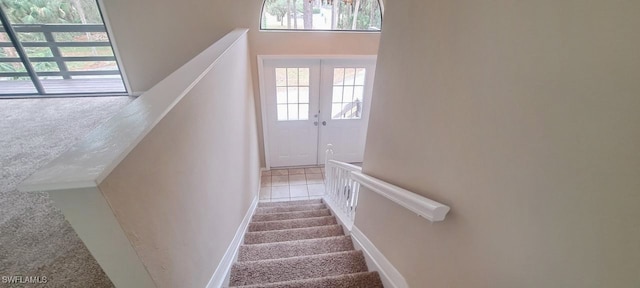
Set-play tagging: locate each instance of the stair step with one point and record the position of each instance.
(290, 203)
(293, 234)
(295, 248)
(290, 208)
(292, 224)
(297, 268)
(354, 280)
(290, 215)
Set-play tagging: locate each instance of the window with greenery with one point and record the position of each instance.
(328, 15)
(56, 47)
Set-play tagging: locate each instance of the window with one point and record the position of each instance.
(328, 15)
(292, 93)
(348, 90)
(56, 47)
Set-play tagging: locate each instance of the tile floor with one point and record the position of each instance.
(292, 184)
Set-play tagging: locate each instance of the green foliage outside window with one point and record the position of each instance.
(52, 12)
(353, 15)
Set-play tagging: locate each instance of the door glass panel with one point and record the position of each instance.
(292, 75)
(348, 91)
(281, 77)
(358, 93)
(303, 76)
(292, 94)
(293, 111)
(281, 95)
(304, 94)
(337, 94)
(304, 110)
(349, 76)
(347, 96)
(282, 112)
(338, 76)
(360, 72)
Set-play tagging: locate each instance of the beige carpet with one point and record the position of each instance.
(35, 240)
(298, 244)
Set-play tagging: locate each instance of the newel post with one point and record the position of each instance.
(328, 171)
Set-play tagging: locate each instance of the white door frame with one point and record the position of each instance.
(263, 102)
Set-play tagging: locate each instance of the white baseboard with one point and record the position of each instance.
(389, 275)
(221, 275)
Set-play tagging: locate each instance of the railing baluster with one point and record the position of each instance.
(341, 189)
(55, 51)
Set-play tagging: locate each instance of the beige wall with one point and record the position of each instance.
(182, 193)
(524, 117)
(155, 37)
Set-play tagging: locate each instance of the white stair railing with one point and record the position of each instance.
(342, 186)
(341, 190)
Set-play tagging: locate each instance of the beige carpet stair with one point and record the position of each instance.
(299, 244)
(292, 224)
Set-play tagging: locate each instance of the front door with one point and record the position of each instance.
(345, 99)
(310, 103)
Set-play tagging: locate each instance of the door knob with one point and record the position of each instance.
(324, 123)
(315, 123)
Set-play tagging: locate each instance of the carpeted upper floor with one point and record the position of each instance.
(35, 239)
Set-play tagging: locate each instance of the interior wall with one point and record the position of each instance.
(524, 117)
(183, 191)
(155, 37)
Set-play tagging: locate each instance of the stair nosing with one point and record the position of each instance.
(306, 279)
(295, 219)
(293, 229)
(284, 242)
(253, 262)
(268, 213)
(304, 247)
(288, 213)
(282, 202)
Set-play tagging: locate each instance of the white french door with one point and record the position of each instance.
(310, 103)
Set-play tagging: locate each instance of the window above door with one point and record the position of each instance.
(323, 15)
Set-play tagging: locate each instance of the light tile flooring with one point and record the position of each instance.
(292, 184)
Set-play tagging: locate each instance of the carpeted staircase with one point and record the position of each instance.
(299, 244)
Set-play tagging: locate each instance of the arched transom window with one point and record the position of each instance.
(328, 15)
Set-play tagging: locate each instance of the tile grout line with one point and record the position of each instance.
(270, 184)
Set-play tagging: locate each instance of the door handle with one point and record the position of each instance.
(315, 123)
(324, 123)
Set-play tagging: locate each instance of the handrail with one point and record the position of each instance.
(346, 166)
(425, 207)
(342, 187)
